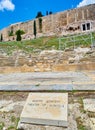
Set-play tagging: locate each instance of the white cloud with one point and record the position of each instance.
(85, 2)
(6, 4)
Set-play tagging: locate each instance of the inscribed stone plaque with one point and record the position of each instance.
(46, 109)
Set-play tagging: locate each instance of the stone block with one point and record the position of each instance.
(89, 105)
(46, 109)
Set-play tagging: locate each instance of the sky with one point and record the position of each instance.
(14, 11)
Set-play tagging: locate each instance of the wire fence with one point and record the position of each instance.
(73, 41)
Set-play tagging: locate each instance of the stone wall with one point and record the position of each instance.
(49, 60)
(56, 24)
(54, 68)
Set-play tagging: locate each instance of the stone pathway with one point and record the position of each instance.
(44, 81)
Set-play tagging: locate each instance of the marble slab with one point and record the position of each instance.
(46, 109)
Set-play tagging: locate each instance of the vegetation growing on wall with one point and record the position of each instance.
(21, 32)
(18, 34)
(11, 32)
(18, 38)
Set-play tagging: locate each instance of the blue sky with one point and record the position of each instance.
(13, 11)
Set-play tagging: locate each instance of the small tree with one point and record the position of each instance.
(50, 12)
(35, 28)
(46, 12)
(1, 38)
(22, 32)
(18, 33)
(39, 14)
(40, 24)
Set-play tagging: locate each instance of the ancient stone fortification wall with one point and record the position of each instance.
(60, 23)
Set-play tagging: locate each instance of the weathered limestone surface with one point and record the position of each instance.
(89, 105)
(46, 108)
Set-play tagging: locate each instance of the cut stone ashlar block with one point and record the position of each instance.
(46, 109)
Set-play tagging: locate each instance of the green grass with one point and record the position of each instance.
(13, 119)
(1, 125)
(44, 43)
(83, 40)
(30, 46)
(81, 105)
(81, 128)
(80, 125)
(11, 128)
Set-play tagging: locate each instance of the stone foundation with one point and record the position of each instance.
(54, 68)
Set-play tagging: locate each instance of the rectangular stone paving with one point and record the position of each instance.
(47, 81)
(67, 87)
(84, 86)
